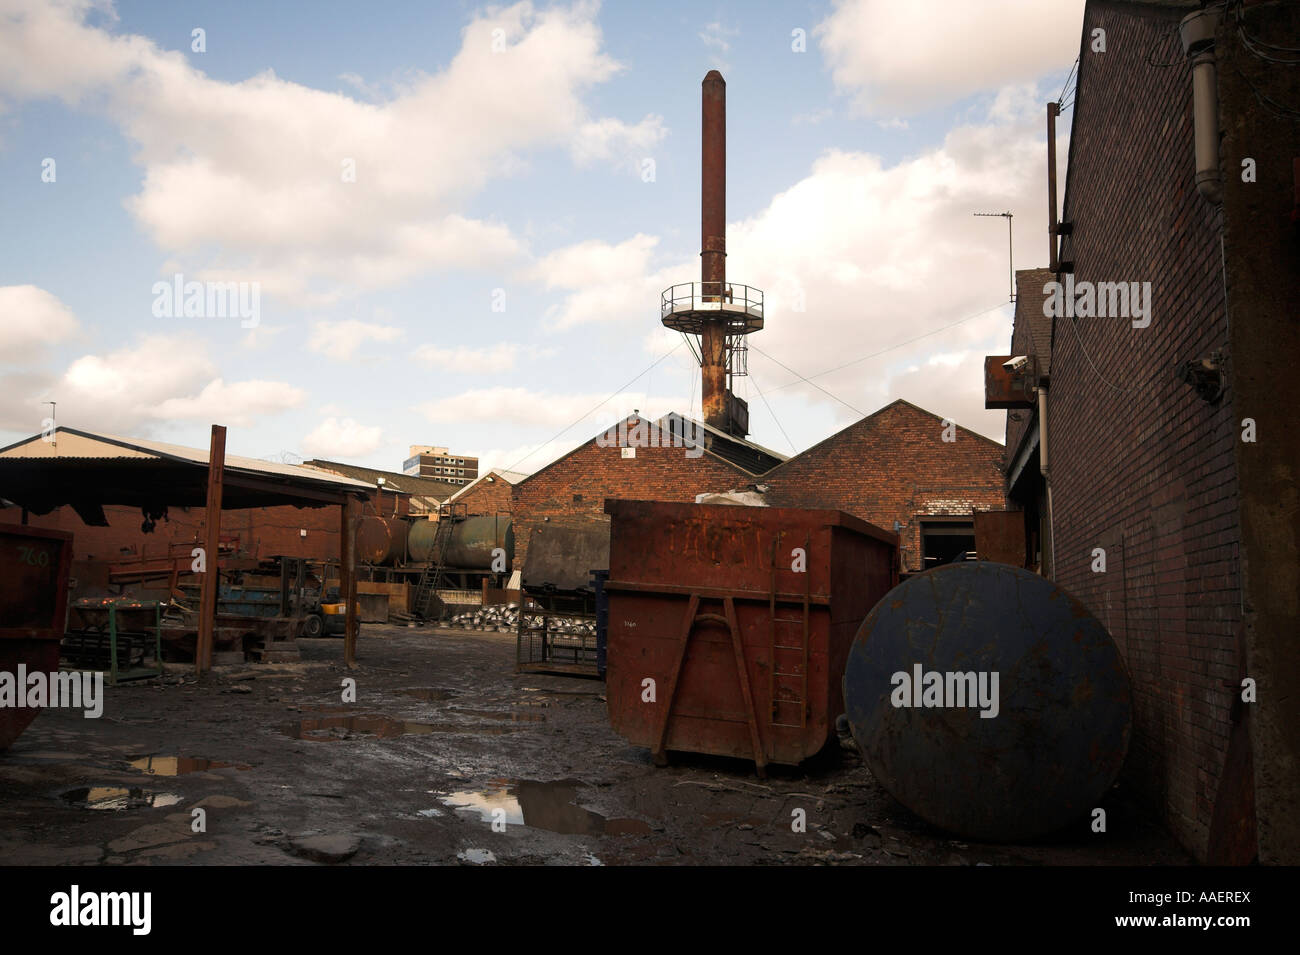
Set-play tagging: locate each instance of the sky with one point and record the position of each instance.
(450, 223)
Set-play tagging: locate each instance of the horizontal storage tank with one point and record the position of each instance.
(742, 617)
(472, 541)
(988, 701)
(381, 541)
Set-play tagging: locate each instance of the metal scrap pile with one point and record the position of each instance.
(504, 618)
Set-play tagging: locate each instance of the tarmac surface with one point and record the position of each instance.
(449, 757)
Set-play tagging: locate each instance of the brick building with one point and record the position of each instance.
(492, 493)
(1031, 337)
(895, 469)
(571, 491)
(1172, 447)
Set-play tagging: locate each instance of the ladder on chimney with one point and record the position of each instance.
(426, 588)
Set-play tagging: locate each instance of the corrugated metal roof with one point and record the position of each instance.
(412, 484)
(73, 444)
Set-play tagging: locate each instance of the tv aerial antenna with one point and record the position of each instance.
(1010, 259)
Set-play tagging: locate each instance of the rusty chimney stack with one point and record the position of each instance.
(719, 312)
(713, 246)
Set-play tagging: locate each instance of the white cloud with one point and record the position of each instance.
(133, 388)
(474, 361)
(341, 340)
(604, 280)
(336, 438)
(240, 403)
(544, 410)
(612, 139)
(31, 320)
(905, 57)
(256, 167)
(716, 37)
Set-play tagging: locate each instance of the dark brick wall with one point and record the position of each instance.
(894, 466)
(571, 492)
(1140, 465)
(1262, 265)
(486, 497)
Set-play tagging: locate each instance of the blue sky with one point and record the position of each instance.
(493, 271)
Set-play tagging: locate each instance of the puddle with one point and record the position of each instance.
(514, 717)
(476, 856)
(551, 806)
(113, 799)
(178, 765)
(430, 694)
(379, 727)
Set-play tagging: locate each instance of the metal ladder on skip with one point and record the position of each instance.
(788, 639)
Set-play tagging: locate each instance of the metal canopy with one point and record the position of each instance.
(87, 471)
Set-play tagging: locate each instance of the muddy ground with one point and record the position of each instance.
(444, 734)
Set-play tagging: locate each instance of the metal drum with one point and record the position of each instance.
(1062, 705)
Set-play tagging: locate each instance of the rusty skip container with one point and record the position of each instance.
(729, 627)
(34, 567)
(381, 541)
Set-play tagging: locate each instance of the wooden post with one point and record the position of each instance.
(348, 580)
(212, 544)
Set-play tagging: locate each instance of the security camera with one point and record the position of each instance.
(1017, 364)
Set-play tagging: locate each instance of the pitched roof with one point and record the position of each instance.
(1029, 313)
(745, 456)
(875, 419)
(510, 477)
(393, 480)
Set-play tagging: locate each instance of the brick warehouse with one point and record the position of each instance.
(896, 466)
(1148, 461)
(491, 493)
(571, 491)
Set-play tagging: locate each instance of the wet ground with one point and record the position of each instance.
(448, 756)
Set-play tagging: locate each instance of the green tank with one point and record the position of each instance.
(472, 543)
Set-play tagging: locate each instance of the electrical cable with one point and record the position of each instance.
(1074, 324)
(942, 328)
(596, 408)
(1069, 76)
(773, 414)
(807, 381)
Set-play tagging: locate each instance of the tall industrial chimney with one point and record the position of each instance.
(719, 313)
(713, 246)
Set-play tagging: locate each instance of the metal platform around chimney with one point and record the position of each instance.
(688, 306)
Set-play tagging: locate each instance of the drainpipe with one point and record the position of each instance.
(1198, 31)
(1043, 469)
